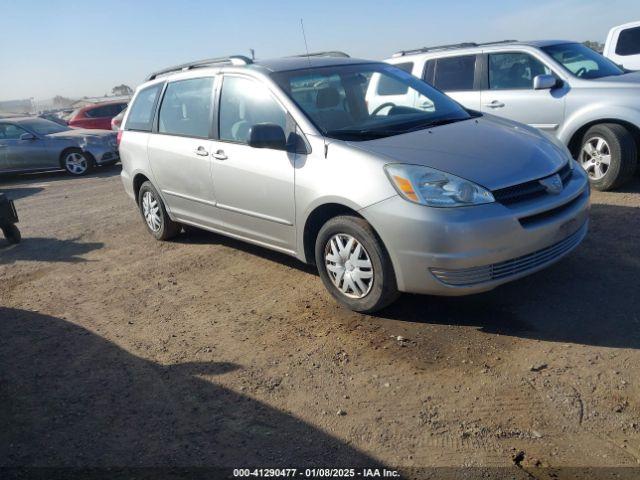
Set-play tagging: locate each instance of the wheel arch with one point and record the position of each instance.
(314, 222)
(575, 141)
(320, 215)
(138, 180)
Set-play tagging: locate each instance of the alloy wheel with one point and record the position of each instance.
(76, 163)
(349, 265)
(595, 157)
(151, 211)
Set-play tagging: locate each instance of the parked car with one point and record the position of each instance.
(623, 45)
(53, 116)
(96, 116)
(563, 88)
(30, 144)
(443, 201)
(116, 121)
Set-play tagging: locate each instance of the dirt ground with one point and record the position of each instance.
(117, 350)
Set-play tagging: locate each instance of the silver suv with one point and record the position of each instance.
(563, 88)
(288, 154)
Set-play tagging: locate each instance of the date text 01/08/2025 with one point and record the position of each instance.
(316, 473)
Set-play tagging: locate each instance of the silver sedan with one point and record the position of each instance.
(29, 144)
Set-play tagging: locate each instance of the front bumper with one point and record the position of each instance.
(460, 251)
(103, 154)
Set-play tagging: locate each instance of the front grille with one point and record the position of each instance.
(497, 271)
(528, 190)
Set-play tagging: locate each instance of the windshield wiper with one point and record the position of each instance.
(436, 123)
(364, 132)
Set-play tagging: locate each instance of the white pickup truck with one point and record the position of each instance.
(623, 45)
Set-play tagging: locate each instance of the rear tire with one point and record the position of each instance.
(354, 265)
(609, 155)
(155, 214)
(12, 234)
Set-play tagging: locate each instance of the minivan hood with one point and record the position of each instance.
(490, 151)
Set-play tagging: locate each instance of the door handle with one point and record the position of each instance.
(202, 152)
(219, 155)
(2, 146)
(494, 104)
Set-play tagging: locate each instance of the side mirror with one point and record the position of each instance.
(267, 135)
(544, 82)
(27, 137)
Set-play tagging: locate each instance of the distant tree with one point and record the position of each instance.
(597, 46)
(122, 90)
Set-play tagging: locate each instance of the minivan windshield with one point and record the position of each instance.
(367, 101)
(581, 61)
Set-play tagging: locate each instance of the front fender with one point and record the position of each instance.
(596, 113)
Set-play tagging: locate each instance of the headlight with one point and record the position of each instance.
(434, 188)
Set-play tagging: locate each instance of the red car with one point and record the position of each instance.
(96, 115)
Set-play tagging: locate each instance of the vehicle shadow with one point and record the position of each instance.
(71, 398)
(198, 236)
(632, 187)
(8, 179)
(19, 193)
(46, 250)
(590, 297)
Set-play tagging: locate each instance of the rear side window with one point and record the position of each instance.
(455, 73)
(628, 42)
(186, 108)
(98, 112)
(105, 111)
(387, 85)
(141, 114)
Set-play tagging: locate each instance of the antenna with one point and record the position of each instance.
(253, 53)
(306, 47)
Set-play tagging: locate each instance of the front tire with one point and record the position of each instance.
(354, 265)
(609, 156)
(76, 162)
(155, 214)
(12, 234)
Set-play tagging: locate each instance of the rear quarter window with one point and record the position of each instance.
(143, 108)
(628, 42)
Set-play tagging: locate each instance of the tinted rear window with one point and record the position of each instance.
(105, 110)
(141, 114)
(455, 73)
(629, 42)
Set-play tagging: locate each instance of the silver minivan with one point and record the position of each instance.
(289, 154)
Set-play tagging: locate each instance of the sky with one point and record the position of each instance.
(77, 48)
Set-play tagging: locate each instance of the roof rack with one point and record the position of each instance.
(232, 59)
(329, 53)
(453, 46)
